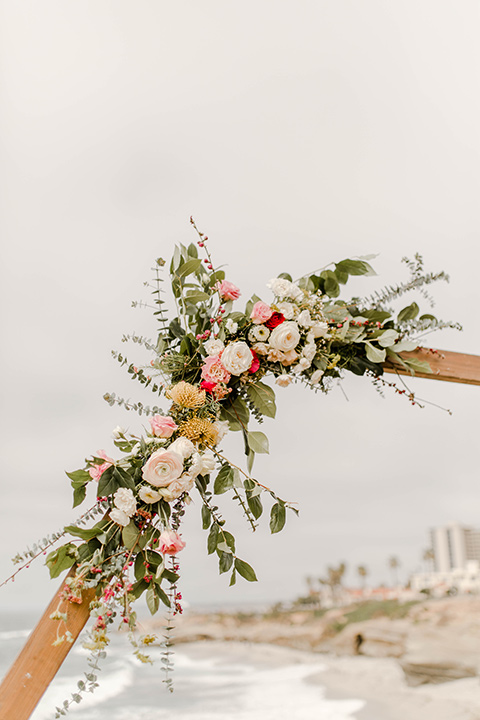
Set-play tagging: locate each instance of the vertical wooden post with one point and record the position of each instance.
(40, 660)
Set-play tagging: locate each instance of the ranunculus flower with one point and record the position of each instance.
(214, 346)
(163, 467)
(149, 495)
(213, 370)
(255, 363)
(261, 312)
(178, 487)
(237, 357)
(96, 471)
(170, 542)
(183, 447)
(119, 516)
(285, 337)
(227, 290)
(124, 499)
(163, 426)
(276, 319)
(208, 464)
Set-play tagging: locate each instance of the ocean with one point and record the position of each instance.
(230, 681)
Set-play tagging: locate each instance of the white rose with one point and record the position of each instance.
(258, 332)
(261, 348)
(309, 351)
(196, 465)
(316, 377)
(287, 309)
(231, 326)
(285, 337)
(124, 499)
(303, 364)
(222, 428)
(177, 487)
(319, 329)
(208, 464)
(183, 447)
(304, 319)
(283, 380)
(120, 517)
(237, 357)
(118, 432)
(284, 288)
(214, 346)
(148, 495)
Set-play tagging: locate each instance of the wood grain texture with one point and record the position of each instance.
(447, 366)
(39, 661)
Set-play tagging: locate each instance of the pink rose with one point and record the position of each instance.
(213, 370)
(170, 542)
(255, 363)
(261, 312)
(162, 468)
(96, 471)
(227, 290)
(162, 426)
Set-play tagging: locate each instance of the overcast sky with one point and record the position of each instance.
(296, 133)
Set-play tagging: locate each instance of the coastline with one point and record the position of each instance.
(378, 683)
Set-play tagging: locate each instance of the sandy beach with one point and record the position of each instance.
(416, 662)
(379, 682)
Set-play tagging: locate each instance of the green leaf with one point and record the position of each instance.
(285, 276)
(206, 517)
(236, 413)
(245, 570)
(87, 533)
(61, 559)
(233, 578)
(123, 478)
(408, 313)
(197, 297)
(374, 354)
(189, 267)
(258, 441)
(405, 346)
(417, 365)
(130, 535)
(79, 495)
(387, 338)
(250, 460)
(153, 602)
(255, 505)
(263, 397)
(108, 483)
(212, 539)
(224, 479)
(277, 517)
(79, 477)
(162, 595)
(225, 562)
(355, 267)
(330, 283)
(341, 275)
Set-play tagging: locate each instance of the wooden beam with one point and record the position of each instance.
(39, 661)
(447, 366)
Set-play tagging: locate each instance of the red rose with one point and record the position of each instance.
(208, 386)
(255, 363)
(276, 319)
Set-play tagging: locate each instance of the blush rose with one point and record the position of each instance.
(163, 426)
(170, 542)
(261, 312)
(162, 468)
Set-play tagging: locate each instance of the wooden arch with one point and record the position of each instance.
(39, 661)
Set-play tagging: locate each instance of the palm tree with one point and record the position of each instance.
(334, 578)
(362, 573)
(394, 564)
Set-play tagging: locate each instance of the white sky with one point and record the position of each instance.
(296, 133)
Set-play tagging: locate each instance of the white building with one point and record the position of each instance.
(456, 561)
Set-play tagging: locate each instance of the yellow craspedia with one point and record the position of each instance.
(199, 431)
(186, 395)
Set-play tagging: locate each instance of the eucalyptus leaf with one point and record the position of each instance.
(277, 517)
(245, 570)
(387, 338)
(374, 354)
(258, 441)
(153, 602)
(189, 267)
(409, 313)
(263, 397)
(224, 480)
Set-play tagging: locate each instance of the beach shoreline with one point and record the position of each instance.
(378, 682)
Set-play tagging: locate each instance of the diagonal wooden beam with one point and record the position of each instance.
(447, 366)
(39, 661)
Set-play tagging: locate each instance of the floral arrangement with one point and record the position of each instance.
(210, 364)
